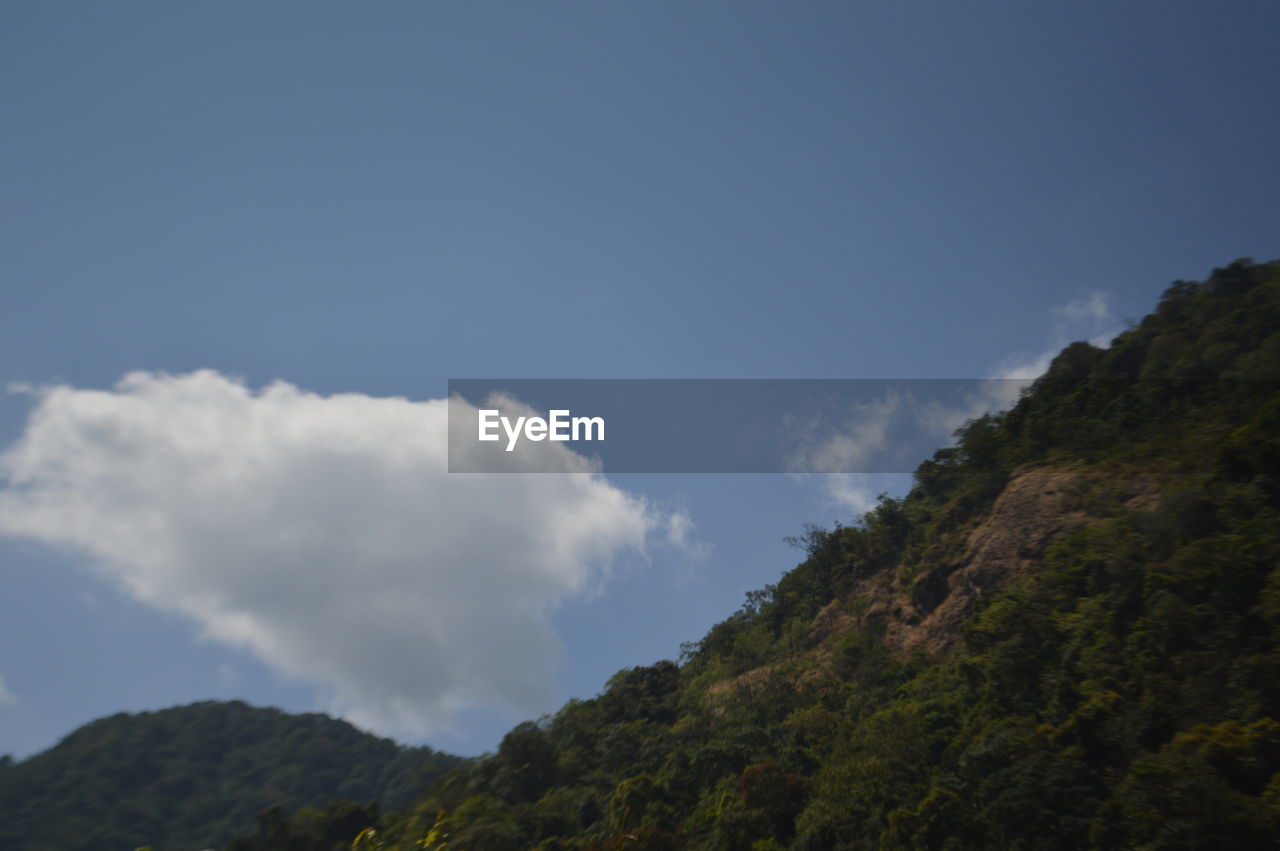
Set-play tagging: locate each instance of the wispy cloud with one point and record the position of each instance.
(325, 535)
(858, 493)
(6, 697)
(870, 428)
(1089, 319)
(862, 432)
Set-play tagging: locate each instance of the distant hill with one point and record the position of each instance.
(194, 776)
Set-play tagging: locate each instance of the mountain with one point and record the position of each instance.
(194, 776)
(1066, 636)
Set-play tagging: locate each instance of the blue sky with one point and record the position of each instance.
(373, 200)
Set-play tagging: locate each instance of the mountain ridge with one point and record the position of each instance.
(1101, 564)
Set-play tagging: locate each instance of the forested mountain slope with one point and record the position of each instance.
(193, 776)
(1066, 636)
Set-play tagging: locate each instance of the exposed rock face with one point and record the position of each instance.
(1029, 515)
(1034, 510)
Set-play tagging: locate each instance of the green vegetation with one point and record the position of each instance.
(194, 776)
(1067, 635)
(1117, 687)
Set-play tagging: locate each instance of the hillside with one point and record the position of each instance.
(1066, 636)
(193, 776)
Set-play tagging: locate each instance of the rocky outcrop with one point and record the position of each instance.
(1038, 506)
(1030, 514)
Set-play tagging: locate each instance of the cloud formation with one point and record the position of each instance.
(1089, 319)
(869, 429)
(6, 696)
(324, 535)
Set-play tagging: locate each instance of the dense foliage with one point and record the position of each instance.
(1123, 693)
(1118, 688)
(194, 776)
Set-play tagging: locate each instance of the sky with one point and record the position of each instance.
(243, 247)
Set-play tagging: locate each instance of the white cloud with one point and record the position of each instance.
(1092, 313)
(819, 446)
(678, 531)
(860, 437)
(1089, 319)
(6, 696)
(324, 535)
(870, 427)
(858, 493)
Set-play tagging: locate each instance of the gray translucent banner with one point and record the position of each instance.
(711, 425)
